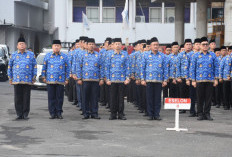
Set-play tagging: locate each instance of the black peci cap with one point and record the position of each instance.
(56, 42)
(154, 39)
(203, 39)
(91, 40)
(175, 43)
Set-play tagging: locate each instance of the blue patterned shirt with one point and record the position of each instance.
(153, 67)
(56, 68)
(117, 67)
(76, 56)
(183, 65)
(22, 68)
(89, 67)
(224, 72)
(171, 61)
(204, 67)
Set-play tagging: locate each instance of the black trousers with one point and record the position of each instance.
(165, 91)
(173, 90)
(117, 99)
(107, 95)
(219, 94)
(193, 97)
(204, 97)
(22, 95)
(144, 98)
(184, 89)
(130, 97)
(72, 96)
(226, 93)
(154, 99)
(103, 99)
(55, 99)
(139, 96)
(90, 98)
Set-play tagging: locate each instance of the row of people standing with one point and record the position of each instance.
(147, 70)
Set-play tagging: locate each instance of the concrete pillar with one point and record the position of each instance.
(130, 12)
(101, 10)
(201, 25)
(163, 12)
(2, 35)
(228, 22)
(179, 21)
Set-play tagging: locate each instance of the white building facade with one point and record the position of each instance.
(146, 19)
(24, 17)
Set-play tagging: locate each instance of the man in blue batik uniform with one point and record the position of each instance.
(154, 75)
(76, 57)
(224, 77)
(117, 76)
(55, 72)
(89, 72)
(171, 61)
(22, 72)
(103, 89)
(204, 71)
(182, 70)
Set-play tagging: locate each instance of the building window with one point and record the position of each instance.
(93, 14)
(217, 13)
(169, 15)
(155, 15)
(108, 15)
(187, 15)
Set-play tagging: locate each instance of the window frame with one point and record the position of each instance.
(174, 14)
(150, 14)
(114, 14)
(91, 7)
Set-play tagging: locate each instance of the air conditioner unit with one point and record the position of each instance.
(140, 19)
(171, 19)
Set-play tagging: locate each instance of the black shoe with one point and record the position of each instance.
(145, 115)
(122, 118)
(81, 113)
(75, 103)
(208, 117)
(112, 118)
(226, 108)
(150, 118)
(95, 117)
(85, 117)
(25, 117)
(52, 117)
(192, 115)
(141, 111)
(182, 111)
(200, 117)
(80, 109)
(18, 118)
(102, 104)
(59, 117)
(217, 106)
(107, 107)
(157, 118)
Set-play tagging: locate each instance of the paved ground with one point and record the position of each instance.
(136, 137)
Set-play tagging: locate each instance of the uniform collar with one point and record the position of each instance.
(23, 52)
(202, 52)
(120, 52)
(153, 53)
(58, 53)
(91, 53)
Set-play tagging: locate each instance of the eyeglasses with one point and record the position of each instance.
(205, 44)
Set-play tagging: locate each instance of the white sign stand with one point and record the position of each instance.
(177, 104)
(177, 123)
